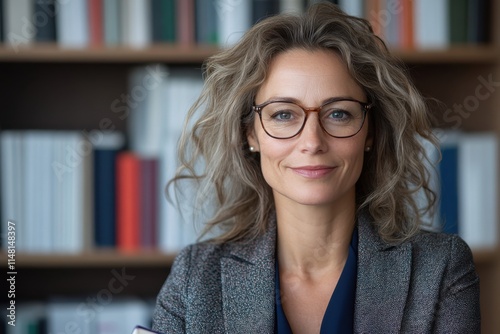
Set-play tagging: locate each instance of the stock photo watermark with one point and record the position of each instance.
(11, 272)
(460, 111)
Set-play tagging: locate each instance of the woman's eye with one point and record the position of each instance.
(338, 114)
(283, 115)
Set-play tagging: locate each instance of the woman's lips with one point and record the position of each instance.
(313, 172)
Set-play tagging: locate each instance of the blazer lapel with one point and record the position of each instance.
(247, 274)
(382, 284)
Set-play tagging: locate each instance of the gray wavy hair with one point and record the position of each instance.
(393, 171)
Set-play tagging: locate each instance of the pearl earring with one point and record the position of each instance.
(252, 149)
(367, 149)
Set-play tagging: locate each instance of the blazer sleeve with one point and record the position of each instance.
(169, 313)
(458, 310)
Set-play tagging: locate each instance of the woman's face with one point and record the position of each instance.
(311, 168)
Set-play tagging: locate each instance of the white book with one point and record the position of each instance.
(9, 186)
(181, 91)
(478, 193)
(72, 183)
(39, 191)
(147, 112)
(136, 23)
(59, 219)
(352, 7)
(19, 28)
(234, 19)
(291, 6)
(120, 316)
(71, 316)
(80, 150)
(431, 23)
(72, 23)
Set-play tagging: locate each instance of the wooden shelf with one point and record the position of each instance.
(98, 258)
(176, 54)
(110, 258)
(467, 54)
(158, 53)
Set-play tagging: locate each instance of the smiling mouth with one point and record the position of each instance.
(313, 172)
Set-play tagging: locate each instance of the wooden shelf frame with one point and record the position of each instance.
(92, 259)
(111, 257)
(179, 54)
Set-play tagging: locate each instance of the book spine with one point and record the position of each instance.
(127, 201)
(44, 12)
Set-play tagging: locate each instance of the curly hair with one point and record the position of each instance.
(393, 171)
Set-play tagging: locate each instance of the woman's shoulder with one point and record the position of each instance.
(435, 245)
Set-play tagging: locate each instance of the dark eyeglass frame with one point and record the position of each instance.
(366, 106)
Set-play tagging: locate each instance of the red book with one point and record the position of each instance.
(128, 209)
(96, 22)
(407, 32)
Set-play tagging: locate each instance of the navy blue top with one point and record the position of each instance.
(339, 314)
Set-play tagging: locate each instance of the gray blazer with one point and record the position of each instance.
(425, 285)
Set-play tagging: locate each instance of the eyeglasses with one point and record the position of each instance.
(339, 118)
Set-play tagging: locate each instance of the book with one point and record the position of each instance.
(458, 21)
(352, 7)
(185, 29)
(112, 22)
(234, 19)
(206, 22)
(431, 23)
(72, 24)
(95, 10)
(478, 193)
(105, 153)
(136, 23)
(407, 33)
(448, 173)
(149, 202)
(128, 210)
(291, 6)
(264, 8)
(45, 12)
(19, 30)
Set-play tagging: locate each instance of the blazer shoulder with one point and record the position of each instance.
(437, 244)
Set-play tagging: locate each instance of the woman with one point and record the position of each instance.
(308, 132)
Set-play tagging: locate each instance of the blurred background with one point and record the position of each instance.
(94, 94)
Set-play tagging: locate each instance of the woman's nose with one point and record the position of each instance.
(313, 137)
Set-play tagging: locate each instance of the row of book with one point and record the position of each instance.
(66, 194)
(426, 24)
(133, 23)
(464, 173)
(118, 316)
(69, 191)
(140, 23)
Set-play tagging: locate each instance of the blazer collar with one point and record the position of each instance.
(247, 274)
(383, 281)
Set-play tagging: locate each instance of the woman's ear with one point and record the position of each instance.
(369, 142)
(253, 143)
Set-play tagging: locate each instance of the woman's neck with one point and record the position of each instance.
(314, 240)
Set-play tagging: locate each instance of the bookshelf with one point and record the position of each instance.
(87, 80)
(101, 74)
